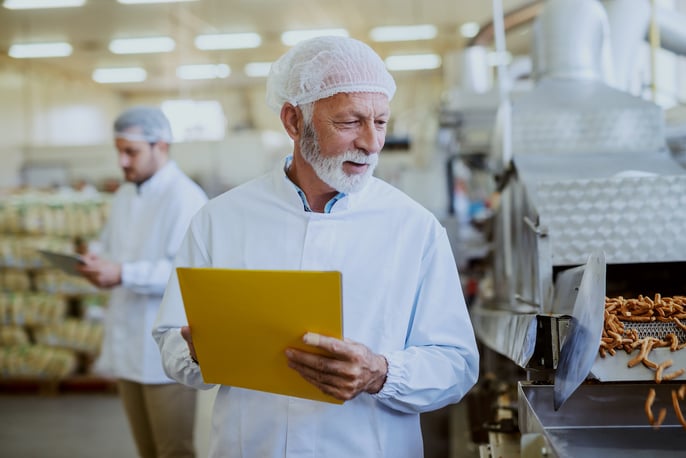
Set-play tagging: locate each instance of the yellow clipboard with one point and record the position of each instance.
(243, 321)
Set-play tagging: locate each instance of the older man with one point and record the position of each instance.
(409, 345)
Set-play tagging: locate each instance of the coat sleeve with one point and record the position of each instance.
(440, 361)
(151, 276)
(171, 316)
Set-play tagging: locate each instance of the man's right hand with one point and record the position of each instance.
(100, 271)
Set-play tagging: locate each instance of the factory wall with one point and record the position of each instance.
(53, 120)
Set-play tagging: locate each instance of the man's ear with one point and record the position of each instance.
(290, 118)
(162, 146)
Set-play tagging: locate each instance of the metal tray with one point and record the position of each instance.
(601, 420)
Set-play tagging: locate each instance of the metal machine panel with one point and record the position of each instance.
(514, 335)
(631, 209)
(605, 420)
(562, 207)
(616, 369)
(633, 219)
(564, 116)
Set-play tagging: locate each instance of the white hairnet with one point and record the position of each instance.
(153, 124)
(324, 66)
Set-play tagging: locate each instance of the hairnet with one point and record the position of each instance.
(153, 124)
(324, 66)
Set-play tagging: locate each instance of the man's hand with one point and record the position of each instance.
(100, 272)
(350, 368)
(186, 334)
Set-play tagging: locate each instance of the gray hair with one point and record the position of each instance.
(307, 110)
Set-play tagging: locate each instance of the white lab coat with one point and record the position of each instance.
(401, 297)
(144, 230)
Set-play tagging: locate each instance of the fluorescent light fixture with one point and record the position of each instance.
(469, 29)
(137, 2)
(142, 45)
(257, 69)
(203, 71)
(195, 120)
(404, 33)
(293, 37)
(33, 50)
(228, 41)
(119, 75)
(413, 62)
(35, 4)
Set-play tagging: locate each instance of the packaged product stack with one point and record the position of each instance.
(50, 321)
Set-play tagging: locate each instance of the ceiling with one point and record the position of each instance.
(90, 28)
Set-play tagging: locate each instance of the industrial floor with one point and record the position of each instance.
(76, 425)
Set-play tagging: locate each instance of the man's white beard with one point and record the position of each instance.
(330, 169)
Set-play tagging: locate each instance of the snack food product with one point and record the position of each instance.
(644, 309)
(618, 334)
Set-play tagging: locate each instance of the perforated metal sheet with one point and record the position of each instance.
(561, 116)
(632, 219)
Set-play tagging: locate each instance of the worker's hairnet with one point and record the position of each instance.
(153, 124)
(324, 66)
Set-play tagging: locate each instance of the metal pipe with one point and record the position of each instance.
(654, 40)
(505, 121)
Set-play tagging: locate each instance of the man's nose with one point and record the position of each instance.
(370, 139)
(124, 160)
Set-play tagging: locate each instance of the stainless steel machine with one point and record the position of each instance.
(592, 204)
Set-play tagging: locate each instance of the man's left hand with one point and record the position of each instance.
(349, 369)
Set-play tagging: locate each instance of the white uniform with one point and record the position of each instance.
(144, 230)
(401, 298)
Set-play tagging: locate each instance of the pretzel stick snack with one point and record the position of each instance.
(660, 368)
(646, 346)
(649, 405)
(677, 409)
(660, 418)
(673, 375)
(649, 364)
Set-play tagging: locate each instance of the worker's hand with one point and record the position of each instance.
(100, 272)
(186, 334)
(350, 368)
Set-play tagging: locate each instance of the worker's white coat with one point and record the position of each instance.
(401, 297)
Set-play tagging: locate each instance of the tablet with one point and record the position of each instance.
(66, 262)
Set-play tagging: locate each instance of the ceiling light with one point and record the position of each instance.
(136, 2)
(32, 50)
(142, 45)
(34, 4)
(119, 75)
(413, 62)
(257, 69)
(403, 33)
(469, 29)
(293, 37)
(228, 41)
(203, 71)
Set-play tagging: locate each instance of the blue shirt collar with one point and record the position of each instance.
(329, 205)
